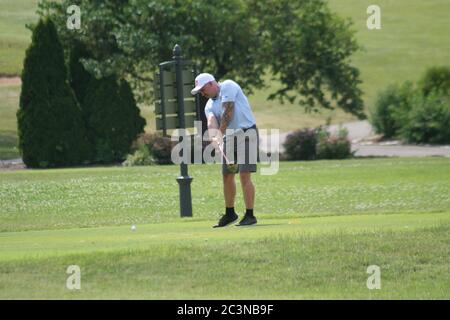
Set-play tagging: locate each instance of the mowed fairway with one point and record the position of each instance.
(14, 36)
(321, 225)
(9, 140)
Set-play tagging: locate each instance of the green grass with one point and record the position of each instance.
(321, 224)
(64, 198)
(192, 261)
(412, 39)
(9, 102)
(14, 36)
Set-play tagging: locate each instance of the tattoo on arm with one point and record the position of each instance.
(227, 116)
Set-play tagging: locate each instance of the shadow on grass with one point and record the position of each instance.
(263, 225)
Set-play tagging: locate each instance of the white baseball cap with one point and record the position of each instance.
(201, 80)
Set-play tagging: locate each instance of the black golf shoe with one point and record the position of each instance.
(247, 221)
(226, 220)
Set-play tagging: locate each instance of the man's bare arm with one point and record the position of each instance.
(213, 130)
(213, 126)
(227, 116)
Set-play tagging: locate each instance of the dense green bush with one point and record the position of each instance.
(50, 125)
(113, 119)
(301, 145)
(153, 148)
(428, 120)
(333, 147)
(135, 123)
(391, 109)
(159, 147)
(140, 157)
(417, 115)
(79, 78)
(109, 109)
(436, 79)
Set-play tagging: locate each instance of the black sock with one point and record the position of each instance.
(230, 211)
(249, 212)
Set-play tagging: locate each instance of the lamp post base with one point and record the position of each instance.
(185, 195)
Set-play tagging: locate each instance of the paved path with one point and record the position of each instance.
(10, 81)
(361, 134)
(357, 131)
(12, 164)
(364, 150)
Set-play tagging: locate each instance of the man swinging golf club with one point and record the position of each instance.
(229, 112)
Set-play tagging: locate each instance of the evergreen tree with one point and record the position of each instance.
(80, 80)
(50, 126)
(135, 123)
(113, 118)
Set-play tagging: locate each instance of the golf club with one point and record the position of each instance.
(232, 167)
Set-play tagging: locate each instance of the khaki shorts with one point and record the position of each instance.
(244, 153)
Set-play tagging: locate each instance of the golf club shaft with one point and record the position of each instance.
(223, 154)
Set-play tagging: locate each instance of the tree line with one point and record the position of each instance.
(301, 44)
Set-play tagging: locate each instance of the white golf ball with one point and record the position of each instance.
(133, 228)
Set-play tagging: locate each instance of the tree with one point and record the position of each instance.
(127, 114)
(50, 126)
(135, 124)
(436, 78)
(308, 49)
(79, 80)
(302, 44)
(113, 119)
(79, 77)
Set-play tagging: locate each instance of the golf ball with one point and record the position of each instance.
(133, 228)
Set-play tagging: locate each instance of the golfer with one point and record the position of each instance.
(229, 112)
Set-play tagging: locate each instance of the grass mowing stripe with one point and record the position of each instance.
(414, 265)
(38, 244)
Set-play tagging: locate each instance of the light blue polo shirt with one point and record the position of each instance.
(230, 91)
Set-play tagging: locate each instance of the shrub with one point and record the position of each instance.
(333, 147)
(436, 79)
(391, 109)
(103, 151)
(141, 157)
(429, 119)
(158, 146)
(301, 145)
(109, 109)
(161, 150)
(134, 122)
(112, 117)
(50, 125)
